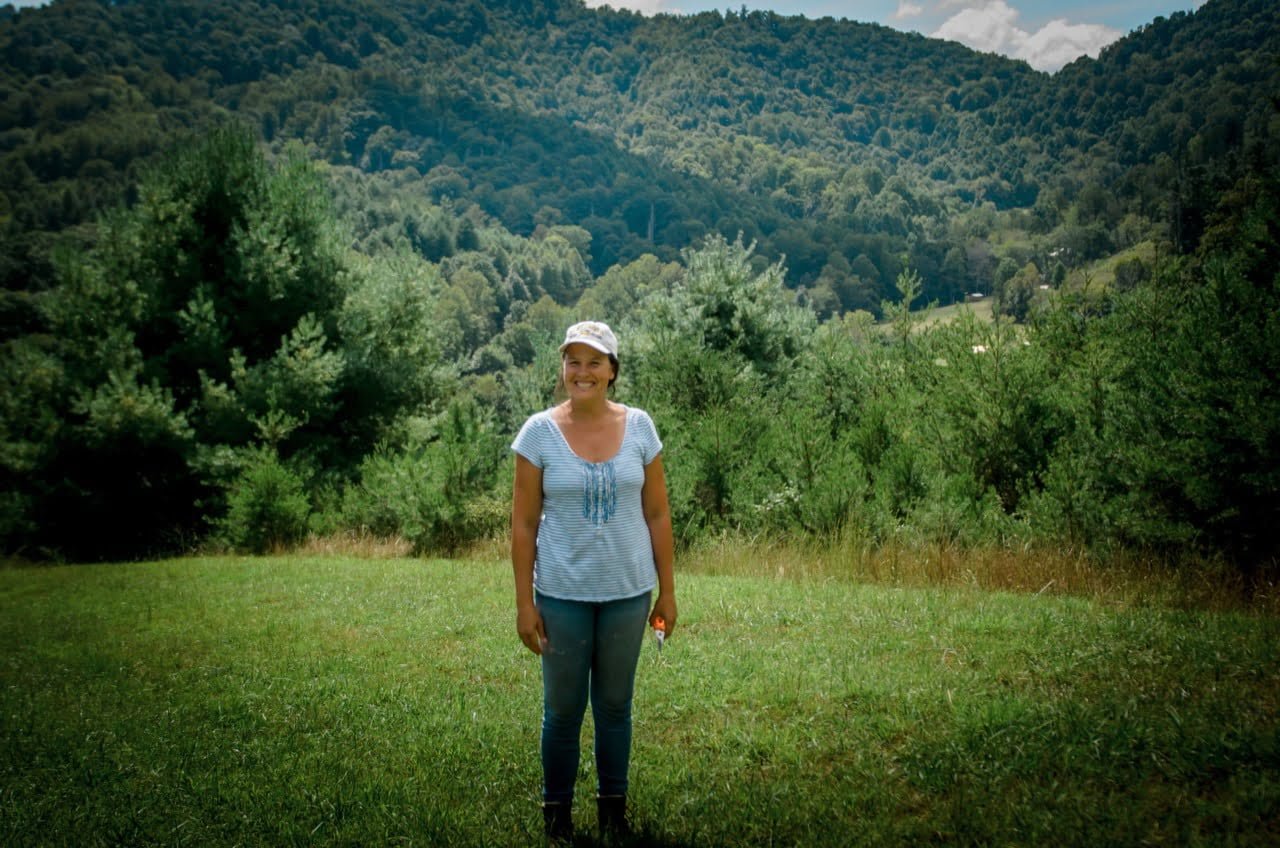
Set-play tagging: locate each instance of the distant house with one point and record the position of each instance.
(974, 297)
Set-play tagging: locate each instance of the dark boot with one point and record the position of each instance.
(557, 821)
(612, 810)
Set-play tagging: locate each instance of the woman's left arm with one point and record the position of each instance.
(657, 514)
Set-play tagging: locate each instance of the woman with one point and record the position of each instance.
(590, 540)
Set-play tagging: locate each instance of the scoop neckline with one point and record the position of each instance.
(626, 428)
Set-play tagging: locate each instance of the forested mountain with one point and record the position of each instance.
(275, 266)
(844, 147)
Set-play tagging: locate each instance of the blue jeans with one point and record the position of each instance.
(591, 653)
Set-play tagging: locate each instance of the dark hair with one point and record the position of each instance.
(616, 370)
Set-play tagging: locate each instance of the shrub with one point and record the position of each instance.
(267, 506)
(440, 493)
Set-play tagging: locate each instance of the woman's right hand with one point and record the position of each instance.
(529, 626)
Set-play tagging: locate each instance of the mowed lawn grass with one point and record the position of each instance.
(330, 700)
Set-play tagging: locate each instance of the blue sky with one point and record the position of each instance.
(1047, 34)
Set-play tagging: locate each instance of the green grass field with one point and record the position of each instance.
(337, 700)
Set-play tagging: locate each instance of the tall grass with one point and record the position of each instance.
(1123, 578)
(337, 700)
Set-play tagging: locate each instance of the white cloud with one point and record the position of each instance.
(644, 7)
(993, 28)
(907, 9)
(1060, 42)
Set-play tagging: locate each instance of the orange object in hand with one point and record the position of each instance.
(660, 630)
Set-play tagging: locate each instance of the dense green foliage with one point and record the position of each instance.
(278, 268)
(332, 701)
(842, 146)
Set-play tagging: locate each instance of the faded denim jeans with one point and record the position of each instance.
(591, 654)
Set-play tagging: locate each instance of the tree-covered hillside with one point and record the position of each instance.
(271, 268)
(851, 149)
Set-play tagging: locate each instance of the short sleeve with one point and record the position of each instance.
(650, 444)
(529, 442)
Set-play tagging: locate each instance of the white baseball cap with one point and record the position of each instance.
(594, 333)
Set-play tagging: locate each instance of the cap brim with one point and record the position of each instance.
(588, 343)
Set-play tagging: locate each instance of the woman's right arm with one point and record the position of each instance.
(526, 513)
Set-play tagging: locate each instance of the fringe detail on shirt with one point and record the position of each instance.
(599, 492)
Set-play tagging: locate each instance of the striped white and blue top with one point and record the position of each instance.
(593, 543)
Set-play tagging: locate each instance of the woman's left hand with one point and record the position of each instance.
(664, 608)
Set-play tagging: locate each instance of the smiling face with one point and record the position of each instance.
(586, 371)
